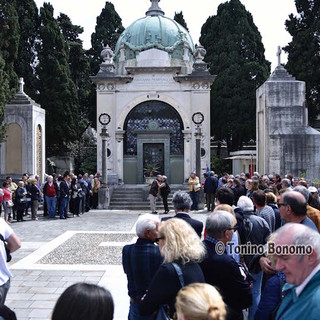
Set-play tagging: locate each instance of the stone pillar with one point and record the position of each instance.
(103, 194)
(119, 139)
(187, 152)
(198, 136)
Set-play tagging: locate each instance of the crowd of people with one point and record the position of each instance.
(180, 268)
(59, 195)
(169, 259)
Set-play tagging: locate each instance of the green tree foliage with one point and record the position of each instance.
(107, 31)
(304, 50)
(235, 54)
(80, 75)
(25, 63)
(4, 89)
(58, 93)
(180, 19)
(79, 68)
(9, 41)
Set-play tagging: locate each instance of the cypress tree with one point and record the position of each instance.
(80, 75)
(180, 19)
(235, 54)
(107, 31)
(303, 50)
(25, 63)
(58, 94)
(9, 42)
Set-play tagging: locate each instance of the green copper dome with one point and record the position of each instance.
(154, 31)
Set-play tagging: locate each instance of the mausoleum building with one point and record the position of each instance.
(285, 142)
(151, 86)
(23, 151)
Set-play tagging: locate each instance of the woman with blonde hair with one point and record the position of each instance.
(199, 301)
(181, 249)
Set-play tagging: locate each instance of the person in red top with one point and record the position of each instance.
(50, 190)
(6, 201)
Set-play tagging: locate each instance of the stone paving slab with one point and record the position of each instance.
(36, 287)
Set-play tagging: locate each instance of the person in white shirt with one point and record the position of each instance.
(13, 244)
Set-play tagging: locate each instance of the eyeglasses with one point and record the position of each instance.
(158, 239)
(234, 228)
(280, 204)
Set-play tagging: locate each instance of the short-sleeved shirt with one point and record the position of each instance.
(6, 232)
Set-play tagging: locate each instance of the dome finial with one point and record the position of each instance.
(154, 10)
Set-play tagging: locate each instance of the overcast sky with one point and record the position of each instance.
(268, 15)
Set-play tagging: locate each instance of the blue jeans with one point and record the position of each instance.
(3, 292)
(256, 294)
(134, 313)
(51, 205)
(195, 199)
(64, 207)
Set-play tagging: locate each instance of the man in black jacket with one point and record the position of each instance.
(210, 188)
(221, 270)
(64, 196)
(182, 204)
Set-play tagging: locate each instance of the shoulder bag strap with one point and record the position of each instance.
(179, 273)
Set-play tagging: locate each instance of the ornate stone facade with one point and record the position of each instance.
(153, 84)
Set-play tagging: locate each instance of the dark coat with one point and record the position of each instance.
(195, 224)
(154, 188)
(271, 296)
(223, 272)
(276, 214)
(165, 285)
(64, 189)
(35, 193)
(165, 191)
(210, 185)
(19, 194)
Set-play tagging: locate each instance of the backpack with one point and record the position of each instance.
(6, 248)
(245, 229)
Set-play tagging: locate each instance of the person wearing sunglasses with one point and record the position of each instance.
(182, 249)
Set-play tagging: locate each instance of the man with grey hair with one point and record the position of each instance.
(182, 203)
(254, 230)
(140, 261)
(302, 270)
(312, 213)
(286, 184)
(220, 269)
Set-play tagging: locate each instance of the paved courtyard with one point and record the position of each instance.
(58, 253)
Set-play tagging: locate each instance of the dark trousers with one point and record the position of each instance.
(195, 199)
(95, 200)
(165, 203)
(20, 211)
(210, 197)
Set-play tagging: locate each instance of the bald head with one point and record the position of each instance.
(296, 201)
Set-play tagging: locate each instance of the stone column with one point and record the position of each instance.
(119, 139)
(187, 152)
(198, 136)
(103, 194)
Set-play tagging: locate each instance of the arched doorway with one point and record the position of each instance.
(14, 149)
(153, 143)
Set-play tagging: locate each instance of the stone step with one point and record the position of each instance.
(134, 198)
